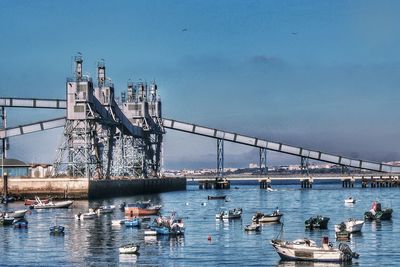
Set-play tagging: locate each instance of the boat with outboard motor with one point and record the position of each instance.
(352, 225)
(172, 225)
(254, 227)
(229, 214)
(377, 213)
(318, 222)
(105, 209)
(307, 250)
(267, 218)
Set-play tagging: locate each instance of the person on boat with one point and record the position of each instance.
(373, 208)
(276, 212)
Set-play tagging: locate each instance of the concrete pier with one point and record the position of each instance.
(81, 188)
(215, 184)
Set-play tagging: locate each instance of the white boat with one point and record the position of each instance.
(17, 214)
(105, 209)
(51, 204)
(86, 216)
(117, 222)
(350, 200)
(231, 214)
(129, 249)
(352, 225)
(252, 227)
(307, 250)
(265, 218)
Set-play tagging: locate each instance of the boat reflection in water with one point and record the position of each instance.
(127, 259)
(312, 264)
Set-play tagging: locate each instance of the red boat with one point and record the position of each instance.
(30, 202)
(141, 210)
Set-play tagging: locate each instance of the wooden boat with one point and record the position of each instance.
(30, 202)
(216, 197)
(307, 250)
(57, 230)
(86, 216)
(377, 213)
(252, 227)
(231, 214)
(105, 209)
(52, 205)
(350, 200)
(141, 209)
(266, 218)
(352, 225)
(318, 222)
(129, 249)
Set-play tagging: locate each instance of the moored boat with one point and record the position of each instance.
(266, 218)
(318, 222)
(350, 200)
(141, 209)
(229, 214)
(129, 249)
(352, 225)
(252, 227)
(216, 197)
(6, 221)
(377, 213)
(57, 230)
(17, 214)
(20, 223)
(105, 209)
(135, 222)
(307, 250)
(168, 225)
(52, 205)
(87, 215)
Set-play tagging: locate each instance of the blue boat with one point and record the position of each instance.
(132, 223)
(21, 223)
(57, 230)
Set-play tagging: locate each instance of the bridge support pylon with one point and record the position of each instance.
(220, 158)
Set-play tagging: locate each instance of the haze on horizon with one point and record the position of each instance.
(317, 74)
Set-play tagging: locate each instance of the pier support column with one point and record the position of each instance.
(220, 158)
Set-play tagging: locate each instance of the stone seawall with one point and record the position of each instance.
(76, 188)
(81, 188)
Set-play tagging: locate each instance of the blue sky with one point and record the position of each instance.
(320, 74)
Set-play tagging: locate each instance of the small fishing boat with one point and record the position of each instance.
(129, 249)
(57, 230)
(266, 218)
(86, 216)
(17, 214)
(135, 222)
(341, 233)
(168, 225)
(105, 209)
(377, 213)
(307, 250)
(52, 205)
(164, 230)
(20, 223)
(117, 222)
(231, 214)
(215, 197)
(6, 221)
(30, 202)
(141, 209)
(318, 222)
(252, 227)
(350, 200)
(352, 225)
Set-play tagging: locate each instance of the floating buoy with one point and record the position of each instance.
(209, 238)
(187, 203)
(203, 204)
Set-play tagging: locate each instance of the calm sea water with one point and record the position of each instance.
(96, 242)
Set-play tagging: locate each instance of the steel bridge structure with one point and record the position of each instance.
(105, 137)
